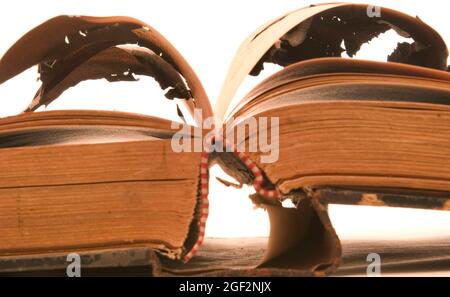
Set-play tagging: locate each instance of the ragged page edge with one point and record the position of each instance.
(255, 46)
(57, 46)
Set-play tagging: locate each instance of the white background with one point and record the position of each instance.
(208, 33)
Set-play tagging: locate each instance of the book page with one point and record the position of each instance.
(59, 48)
(255, 46)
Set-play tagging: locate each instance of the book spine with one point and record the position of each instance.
(204, 185)
(259, 184)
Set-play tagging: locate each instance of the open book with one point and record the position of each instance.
(326, 130)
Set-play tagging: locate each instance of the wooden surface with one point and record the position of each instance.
(428, 257)
(421, 257)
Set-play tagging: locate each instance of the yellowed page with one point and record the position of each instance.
(255, 46)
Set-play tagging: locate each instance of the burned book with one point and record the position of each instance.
(108, 183)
